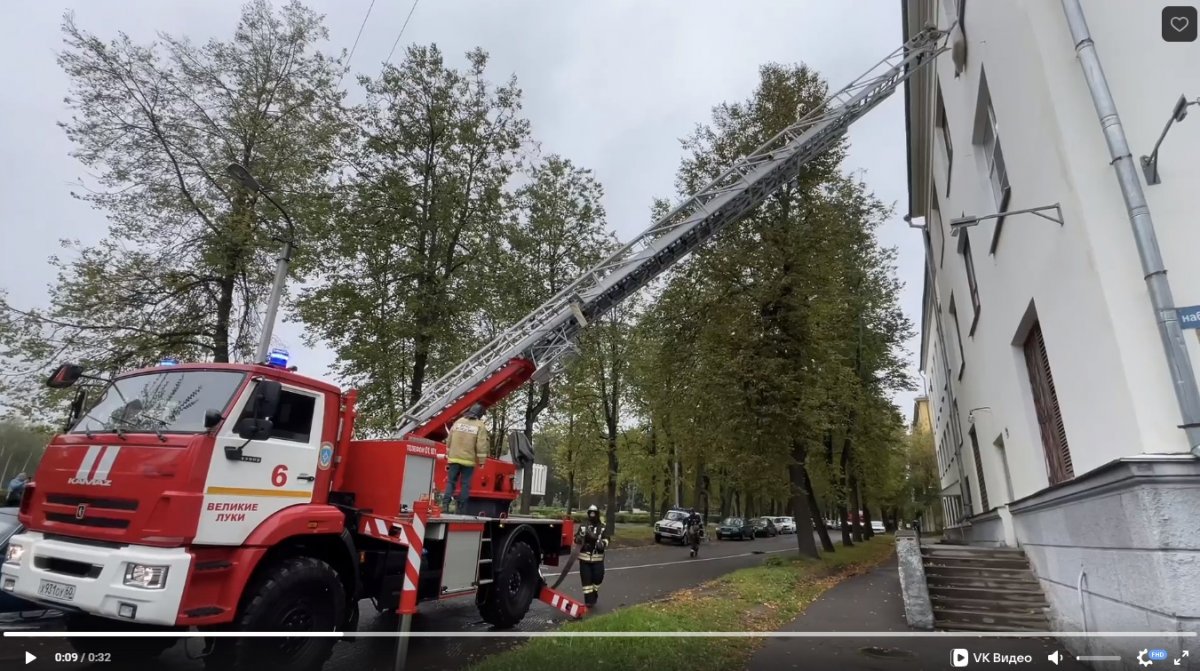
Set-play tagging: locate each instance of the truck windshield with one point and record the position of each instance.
(161, 402)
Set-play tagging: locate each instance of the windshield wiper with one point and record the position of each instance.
(159, 423)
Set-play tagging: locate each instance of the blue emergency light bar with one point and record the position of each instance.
(278, 358)
(169, 361)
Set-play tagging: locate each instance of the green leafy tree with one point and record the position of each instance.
(402, 269)
(188, 254)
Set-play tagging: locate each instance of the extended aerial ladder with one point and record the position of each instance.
(538, 345)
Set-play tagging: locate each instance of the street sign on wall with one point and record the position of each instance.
(1189, 317)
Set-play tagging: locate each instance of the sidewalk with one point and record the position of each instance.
(872, 602)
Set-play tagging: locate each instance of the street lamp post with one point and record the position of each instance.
(1150, 163)
(973, 220)
(243, 177)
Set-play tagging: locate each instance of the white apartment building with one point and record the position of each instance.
(1053, 406)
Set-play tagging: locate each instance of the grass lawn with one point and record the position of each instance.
(762, 598)
(632, 535)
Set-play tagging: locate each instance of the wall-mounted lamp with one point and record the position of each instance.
(1150, 163)
(973, 220)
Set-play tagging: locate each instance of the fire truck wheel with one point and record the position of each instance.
(300, 594)
(516, 584)
(123, 649)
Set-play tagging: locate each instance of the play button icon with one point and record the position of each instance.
(29, 657)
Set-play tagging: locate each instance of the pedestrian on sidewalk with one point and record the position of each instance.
(593, 540)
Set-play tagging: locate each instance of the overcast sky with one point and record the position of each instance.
(611, 85)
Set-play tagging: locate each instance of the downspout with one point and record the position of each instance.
(1183, 377)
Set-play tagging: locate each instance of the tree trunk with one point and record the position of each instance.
(533, 408)
(224, 312)
(844, 519)
(856, 508)
(420, 362)
(570, 490)
(805, 542)
(815, 511)
(707, 483)
(868, 533)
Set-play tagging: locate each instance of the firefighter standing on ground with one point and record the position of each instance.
(592, 542)
(466, 449)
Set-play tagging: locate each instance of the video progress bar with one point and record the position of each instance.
(604, 634)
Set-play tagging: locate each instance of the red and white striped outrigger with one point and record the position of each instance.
(408, 530)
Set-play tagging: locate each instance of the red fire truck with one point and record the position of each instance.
(235, 496)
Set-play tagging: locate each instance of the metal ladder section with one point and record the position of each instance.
(548, 333)
(483, 575)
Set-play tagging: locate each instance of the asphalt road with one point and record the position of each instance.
(632, 575)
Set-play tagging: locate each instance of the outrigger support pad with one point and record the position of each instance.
(561, 601)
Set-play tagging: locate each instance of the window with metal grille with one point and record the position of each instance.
(983, 497)
(1045, 402)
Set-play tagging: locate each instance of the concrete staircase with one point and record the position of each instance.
(983, 589)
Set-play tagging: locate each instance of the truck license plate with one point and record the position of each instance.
(56, 590)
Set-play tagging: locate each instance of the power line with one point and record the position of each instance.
(410, 13)
(350, 57)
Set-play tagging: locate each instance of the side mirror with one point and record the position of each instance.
(76, 408)
(64, 376)
(264, 402)
(212, 418)
(252, 428)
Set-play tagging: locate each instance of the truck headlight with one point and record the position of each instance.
(14, 554)
(146, 576)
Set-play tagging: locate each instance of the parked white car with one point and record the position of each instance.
(670, 527)
(878, 527)
(786, 525)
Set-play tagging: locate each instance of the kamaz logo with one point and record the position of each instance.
(90, 483)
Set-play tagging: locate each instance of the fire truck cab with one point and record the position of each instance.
(227, 495)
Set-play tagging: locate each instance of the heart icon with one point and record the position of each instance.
(1179, 23)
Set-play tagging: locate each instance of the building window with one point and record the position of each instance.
(935, 224)
(983, 497)
(962, 360)
(987, 138)
(972, 283)
(944, 126)
(1045, 403)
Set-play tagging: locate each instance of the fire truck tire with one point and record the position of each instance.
(125, 649)
(295, 594)
(516, 584)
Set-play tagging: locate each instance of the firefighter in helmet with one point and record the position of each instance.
(466, 449)
(591, 537)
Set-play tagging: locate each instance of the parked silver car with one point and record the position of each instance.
(785, 525)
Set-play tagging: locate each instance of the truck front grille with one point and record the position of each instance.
(99, 522)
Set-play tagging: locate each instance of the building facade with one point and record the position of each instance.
(1051, 400)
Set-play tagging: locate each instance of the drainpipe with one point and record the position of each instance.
(1183, 377)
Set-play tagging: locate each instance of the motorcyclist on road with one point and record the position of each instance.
(695, 530)
(591, 537)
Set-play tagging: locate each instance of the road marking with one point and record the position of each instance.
(693, 561)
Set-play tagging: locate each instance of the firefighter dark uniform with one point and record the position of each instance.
(591, 555)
